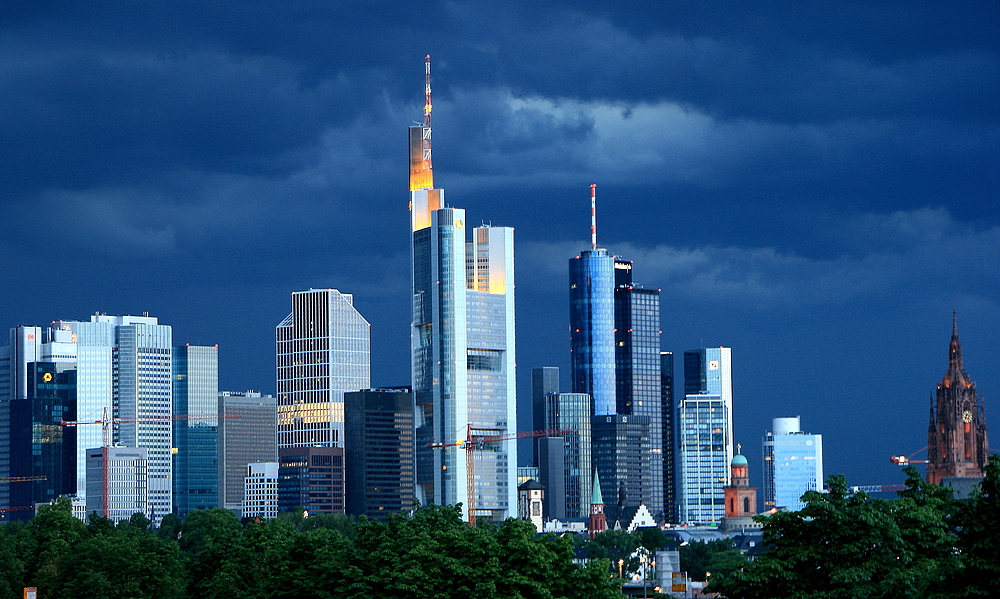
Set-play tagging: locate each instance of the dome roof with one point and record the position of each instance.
(739, 460)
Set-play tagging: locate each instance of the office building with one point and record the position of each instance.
(117, 479)
(617, 451)
(668, 412)
(38, 454)
(196, 428)
(462, 344)
(704, 456)
(247, 435)
(637, 374)
(957, 443)
(572, 412)
(544, 381)
(123, 366)
(793, 464)
(323, 351)
(261, 491)
(311, 478)
(379, 452)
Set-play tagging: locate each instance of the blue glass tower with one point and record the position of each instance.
(196, 432)
(592, 328)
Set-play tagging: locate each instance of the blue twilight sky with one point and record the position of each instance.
(812, 184)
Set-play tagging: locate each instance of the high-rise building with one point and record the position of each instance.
(572, 412)
(668, 411)
(117, 479)
(702, 459)
(248, 439)
(37, 453)
(462, 344)
(311, 478)
(544, 381)
(591, 326)
(637, 374)
(793, 464)
(957, 444)
(323, 351)
(196, 428)
(378, 452)
(123, 376)
(261, 490)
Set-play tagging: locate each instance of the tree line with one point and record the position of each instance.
(211, 554)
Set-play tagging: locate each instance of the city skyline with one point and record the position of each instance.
(802, 185)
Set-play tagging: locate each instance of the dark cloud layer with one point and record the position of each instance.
(815, 186)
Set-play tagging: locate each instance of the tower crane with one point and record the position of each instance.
(107, 422)
(476, 439)
(903, 460)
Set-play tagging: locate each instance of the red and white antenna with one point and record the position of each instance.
(593, 216)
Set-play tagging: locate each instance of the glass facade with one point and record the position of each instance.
(637, 368)
(462, 348)
(572, 411)
(323, 351)
(618, 453)
(668, 435)
(196, 431)
(591, 325)
(311, 478)
(704, 457)
(793, 464)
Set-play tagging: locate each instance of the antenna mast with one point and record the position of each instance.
(427, 113)
(593, 215)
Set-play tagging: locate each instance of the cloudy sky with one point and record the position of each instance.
(814, 185)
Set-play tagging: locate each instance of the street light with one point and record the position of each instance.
(621, 584)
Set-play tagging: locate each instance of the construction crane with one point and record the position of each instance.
(21, 479)
(903, 460)
(476, 439)
(107, 422)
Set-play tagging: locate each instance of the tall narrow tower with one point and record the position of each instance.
(462, 342)
(957, 445)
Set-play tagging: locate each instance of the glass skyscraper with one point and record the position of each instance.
(793, 464)
(196, 431)
(704, 435)
(462, 344)
(592, 328)
(323, 351)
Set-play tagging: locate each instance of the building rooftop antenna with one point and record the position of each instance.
(427, 112)
(593, 215)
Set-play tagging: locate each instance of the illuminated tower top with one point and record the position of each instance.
(421, 173)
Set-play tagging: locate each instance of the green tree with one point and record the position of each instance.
(977, 521)
(844, 545)
(50, 535)
(11, 566)
(717, 556)
(615, 545)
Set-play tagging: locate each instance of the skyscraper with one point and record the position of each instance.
(196, 430)
(637, 373)
(378, 452)
(462, 342)
(793, 464)
(668, 435)
(957, 444)
(704, 435)
(323, 351)
(124, 366)
(249, 439)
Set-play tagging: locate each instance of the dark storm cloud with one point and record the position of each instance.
(818, 177)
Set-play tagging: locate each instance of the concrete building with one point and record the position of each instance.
(379, 452)
(323, 351)
(530, 503)
(793, 464)
(247, 439)
(196, 428)
(462, 344)
(117, 482)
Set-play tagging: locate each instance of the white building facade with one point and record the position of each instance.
(261, 494)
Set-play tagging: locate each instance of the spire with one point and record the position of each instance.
(593, 216)
(596, 498)
(955, 374)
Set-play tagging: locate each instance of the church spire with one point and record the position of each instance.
(955, 374)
